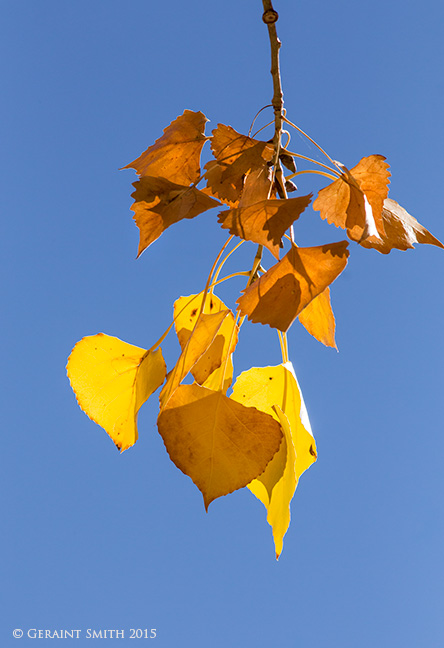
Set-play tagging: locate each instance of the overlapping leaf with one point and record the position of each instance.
(221, 444)
(354, 201)
(159, 203)
(317, 317)
(401, 230)
(236, 156)
(264, 222)
(175, 155)
(111, 380)
(275, 390)
(186, 314)
(288, 287)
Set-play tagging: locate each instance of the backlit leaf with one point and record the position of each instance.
(288, 287)
(219, 443)
(275, 390)
(159, 203)
(111, 380)
(401, 230)
(317, 317)
(186, 312)
(175, 155)
(264, 222)
(354, 201)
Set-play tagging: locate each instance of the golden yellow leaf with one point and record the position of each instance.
(222, 445)
(186, 312)
(264, 222)
(112, 380)
(275, 390)
(175, 155)
(236, 155)
(288, 287)
(354, 201)
(401, 230)
(318, 319)
(159, 203)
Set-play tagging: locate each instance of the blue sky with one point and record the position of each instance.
(94, 539)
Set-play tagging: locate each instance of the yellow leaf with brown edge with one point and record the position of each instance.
(318, 319)
(275, 390)
(186, 312)
(175, 155)
(401, 230)
(354, 202)
(159, 203)
(112, 380)
(198, 343)
(264, 222)
(222, 445)
(288, 287)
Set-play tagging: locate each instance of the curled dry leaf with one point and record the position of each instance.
(175, 155)
(264, 222)
(236, 155)
(317, 317)
(275, 390)
(288, 287)
(222, 445)
(354, 201)
(186, 314)
(401, 230)
(112, 380)
(159, 203)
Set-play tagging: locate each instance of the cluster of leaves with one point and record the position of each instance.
(259, 436)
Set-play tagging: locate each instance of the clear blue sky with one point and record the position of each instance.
(94, 539)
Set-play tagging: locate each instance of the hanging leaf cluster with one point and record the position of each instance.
(253, 432)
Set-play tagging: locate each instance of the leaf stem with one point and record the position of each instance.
(313, 142)
(322, 173)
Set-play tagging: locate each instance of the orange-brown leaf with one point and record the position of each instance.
(288, 287)
(175, 155)
(159, 203)
(354, 201)
(264, 222)
(401, 230)
(222, 445)
(317, 317)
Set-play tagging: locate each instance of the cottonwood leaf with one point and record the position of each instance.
(401, 230)
(159, 203)
(354, 201)
(175, 155)
(288, 287)
(275, 390)
(198, 343)
(264, 222)
(112, 380)
(236, 156)
(186, 313)
(221, 444)
(317, 317)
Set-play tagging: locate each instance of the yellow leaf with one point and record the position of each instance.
(186, 311)
(175, 155)
(318, 319)
(288, 287)
(222, 445)
(112, 380)
(275, 390)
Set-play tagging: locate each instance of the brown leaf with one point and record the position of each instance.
(354, 201)
(175, 155)
(317, 317)
(222, 445)
(401, 230)
(284, 291)
(159, 203)
(236, 155)
(264, 222)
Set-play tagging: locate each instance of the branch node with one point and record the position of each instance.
(270, 16)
